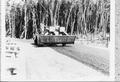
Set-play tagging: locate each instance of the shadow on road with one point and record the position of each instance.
(91, 60)
(49, 45)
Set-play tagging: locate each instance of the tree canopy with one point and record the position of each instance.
(79, 17)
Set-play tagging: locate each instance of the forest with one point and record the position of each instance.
(83, 18)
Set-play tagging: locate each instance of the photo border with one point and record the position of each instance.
(111, 47)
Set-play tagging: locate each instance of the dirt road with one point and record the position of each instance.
(97, 58)
(46, 63)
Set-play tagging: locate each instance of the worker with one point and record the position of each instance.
(57, 30)
(52, 30)
(62, 31)
(46, 31)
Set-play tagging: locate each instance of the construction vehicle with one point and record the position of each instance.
(53, 35)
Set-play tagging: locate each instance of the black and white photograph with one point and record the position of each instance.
(57, 40)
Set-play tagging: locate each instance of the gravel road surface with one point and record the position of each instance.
(47, 63)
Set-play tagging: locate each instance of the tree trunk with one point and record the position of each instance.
(13, 23)
(69, 17)
(25, 19)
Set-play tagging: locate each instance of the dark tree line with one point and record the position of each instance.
(79, 17)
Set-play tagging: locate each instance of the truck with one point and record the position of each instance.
(53, 35)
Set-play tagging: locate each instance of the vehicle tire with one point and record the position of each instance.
(63, 44)
(35, 41)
